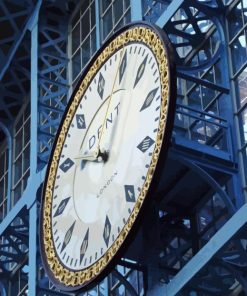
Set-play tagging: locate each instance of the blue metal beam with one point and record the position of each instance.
(33, 26)
(216, 243)
(32, 265)
(204, 150)
(10, 145)
(2, 290)
(169, 13)
(27, 199)
(97, 21)
(32, 262)
(210, 180)
(16, 45)
(136, 10)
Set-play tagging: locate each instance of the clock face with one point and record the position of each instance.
(105, 156)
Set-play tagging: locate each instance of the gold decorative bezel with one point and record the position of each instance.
(66, 277)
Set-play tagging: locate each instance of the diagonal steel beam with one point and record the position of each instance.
(236, 223)
(17, 42)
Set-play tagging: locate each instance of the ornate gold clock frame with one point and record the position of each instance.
(157, 41)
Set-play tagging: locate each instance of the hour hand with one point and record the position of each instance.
(90, 157)
(98, 155)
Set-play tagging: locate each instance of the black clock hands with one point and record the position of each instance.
(97, 156)
(100, 154)
(122, 55)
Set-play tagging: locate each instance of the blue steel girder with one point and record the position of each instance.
(15, 231)
(153, 9)
(203, 273)
(14, 18)
(210, 180)
(198, 37)
(53, 75)
(15, 84)
(181, 234)
(14, 244)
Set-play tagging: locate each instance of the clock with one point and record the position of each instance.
(107, 154)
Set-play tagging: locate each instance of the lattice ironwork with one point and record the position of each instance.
(153, 9)
(14, 245)
(15, 84)
(53, 76)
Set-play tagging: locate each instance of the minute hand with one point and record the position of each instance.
(108, 106)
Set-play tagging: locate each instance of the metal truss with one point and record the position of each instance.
(14, 16)
(221, 272)
(14, 252)
(200, 191)
(53, 75)
(14, 56)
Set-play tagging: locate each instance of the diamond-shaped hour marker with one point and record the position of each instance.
(140, 71)
(68, 236)
(129, 193)
(84, 246)
(145, 144)
(101, 85)
(149, 99)
(80, 120)
(122, 66)
(62, 206)
(107, 231)
(66, 165)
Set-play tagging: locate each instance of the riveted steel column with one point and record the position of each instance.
(33, 151)
(136, 10)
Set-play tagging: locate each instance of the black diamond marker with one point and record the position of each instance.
(122, 66)
(61, 206)
(101, 85)
(80, 120)
(84, 246)
(68, 236)
(149, 99)
(107, 231)
(129, 193)
(66, 165)
(140, 71)
(145, 144)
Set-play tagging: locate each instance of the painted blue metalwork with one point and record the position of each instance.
(27, 199)
(25, 10)
(97, 22)
(136, 10)
(216, 243)
(191, 73)
(34, 90)
(53, 79)
(33, 226)
(2, 290)
(169, 13)
(201, 172)
(32, 265)
(7, 132)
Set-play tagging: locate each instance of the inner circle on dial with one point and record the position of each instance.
(92, 179)
(119, 112)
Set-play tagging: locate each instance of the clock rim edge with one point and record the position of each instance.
(161, 155)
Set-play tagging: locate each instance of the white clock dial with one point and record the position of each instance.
(99, 197)
(108, 155)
